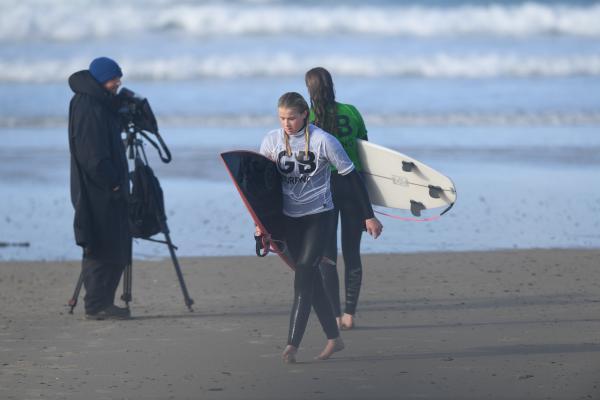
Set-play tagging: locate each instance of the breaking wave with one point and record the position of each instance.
(277, 65)
(76, 20)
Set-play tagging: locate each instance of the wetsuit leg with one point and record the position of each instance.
(304, 237)
(329, 273)
(352, 229)
(325, 313)
(352, 224)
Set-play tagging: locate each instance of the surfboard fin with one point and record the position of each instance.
(416, 208)
(435, 191)
(408, 166)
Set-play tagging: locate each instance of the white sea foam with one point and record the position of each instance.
(284, 64)
(76, 20)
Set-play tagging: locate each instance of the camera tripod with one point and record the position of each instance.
(136, 152)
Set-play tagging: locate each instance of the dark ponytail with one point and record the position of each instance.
(322, 98)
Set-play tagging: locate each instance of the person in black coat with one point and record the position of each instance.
(99, 185)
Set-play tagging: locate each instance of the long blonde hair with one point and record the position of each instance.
(296, 102)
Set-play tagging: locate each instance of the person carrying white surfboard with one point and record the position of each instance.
(345, 123)
(304, 154)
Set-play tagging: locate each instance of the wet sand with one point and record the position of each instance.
(480, 325)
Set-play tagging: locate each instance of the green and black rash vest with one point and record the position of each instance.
(350, 126)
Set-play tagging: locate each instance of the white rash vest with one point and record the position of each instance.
(305, 180)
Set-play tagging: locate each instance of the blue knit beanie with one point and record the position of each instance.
(103, 69)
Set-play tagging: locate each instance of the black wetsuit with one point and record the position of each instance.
(349, 127)
(352, 214)
(304, 236)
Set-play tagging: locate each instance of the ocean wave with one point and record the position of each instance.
(548, 118)
(284, 64)
(76, 20)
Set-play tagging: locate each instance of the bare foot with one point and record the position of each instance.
(289, 354)
(332, 346)
(347, 322)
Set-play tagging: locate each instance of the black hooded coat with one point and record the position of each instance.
(98, 165)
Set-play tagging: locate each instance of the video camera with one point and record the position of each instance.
(137, 117)
(136, 110)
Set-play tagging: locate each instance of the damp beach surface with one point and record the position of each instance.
(470, 325)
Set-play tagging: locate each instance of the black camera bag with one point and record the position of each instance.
(146, 202)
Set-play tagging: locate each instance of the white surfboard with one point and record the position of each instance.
(395, 180)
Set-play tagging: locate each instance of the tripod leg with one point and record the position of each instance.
(186, 297)
(73, 300)
(127, 281)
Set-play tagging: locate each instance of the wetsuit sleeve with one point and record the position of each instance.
(357, 186)
(92, 150)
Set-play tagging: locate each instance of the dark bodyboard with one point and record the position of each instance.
(259, 184)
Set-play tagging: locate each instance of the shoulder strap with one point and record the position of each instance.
(167, 157)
